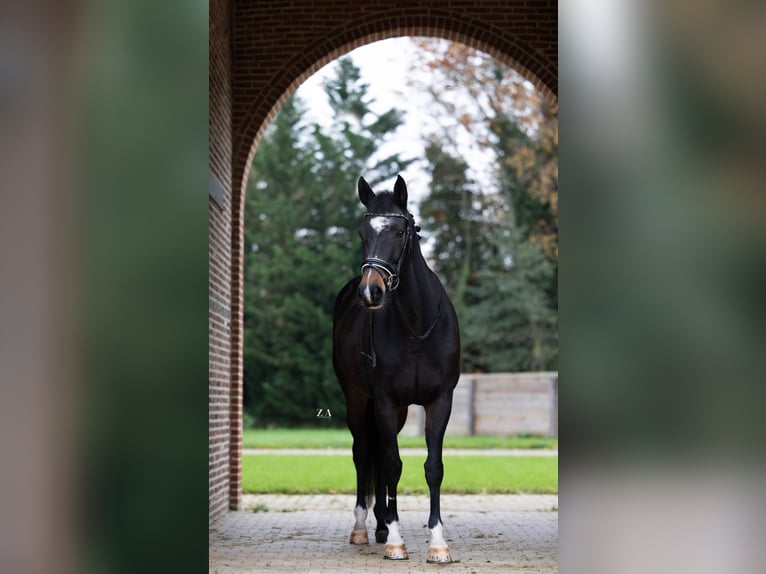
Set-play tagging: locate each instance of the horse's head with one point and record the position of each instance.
(386, 234)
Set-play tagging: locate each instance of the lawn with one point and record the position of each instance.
(302, 474)
(341, 438)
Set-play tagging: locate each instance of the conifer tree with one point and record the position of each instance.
(301, 221)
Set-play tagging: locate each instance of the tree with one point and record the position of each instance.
(509, 324)
(452, 213)
(301, 224)
(276, 229)
(486, 105)
(509, 275)
(528, 177)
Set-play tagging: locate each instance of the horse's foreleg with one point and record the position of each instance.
(437, 417)
(381, 506)
(362, 454)
(386, 417)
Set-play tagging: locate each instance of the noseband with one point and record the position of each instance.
(390, 272)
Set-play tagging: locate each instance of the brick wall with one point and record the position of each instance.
(499, 404)
(219, 245)
(279, 44)
(260, 52)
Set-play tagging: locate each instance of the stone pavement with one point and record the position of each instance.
(309, 534)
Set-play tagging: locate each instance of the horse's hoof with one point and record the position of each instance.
(395, 552)
(439, 555)
(381, 536)
(359, 537)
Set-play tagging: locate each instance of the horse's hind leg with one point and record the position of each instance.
(381, 530)
(437, 417)
(362, 453)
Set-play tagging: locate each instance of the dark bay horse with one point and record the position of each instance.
(395, 343)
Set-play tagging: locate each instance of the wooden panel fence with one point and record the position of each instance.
(498, 404)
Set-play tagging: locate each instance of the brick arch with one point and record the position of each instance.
(260, 52)
(262, 113)
(511, 45)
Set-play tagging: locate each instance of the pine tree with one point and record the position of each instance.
(302, 217)
(509, 324)
(528, 176)
(452, 214)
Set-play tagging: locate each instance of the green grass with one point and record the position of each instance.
(305, 474)
(341, 438)
(296, 438)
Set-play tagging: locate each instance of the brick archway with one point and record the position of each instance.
(259, 55)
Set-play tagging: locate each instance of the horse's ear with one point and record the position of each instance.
(365, 191)
(400, 193)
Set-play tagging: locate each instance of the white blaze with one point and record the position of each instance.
(380, 224)
(367, 294)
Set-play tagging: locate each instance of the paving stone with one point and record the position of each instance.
(309, 534)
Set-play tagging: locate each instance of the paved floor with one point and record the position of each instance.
(309, 534)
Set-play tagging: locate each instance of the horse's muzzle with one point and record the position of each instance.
(371, 293)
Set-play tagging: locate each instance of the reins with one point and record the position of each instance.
(372, 355)
(427, 332)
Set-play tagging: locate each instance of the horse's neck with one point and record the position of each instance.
(420, 292)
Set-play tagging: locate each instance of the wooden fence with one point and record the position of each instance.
(498, 404)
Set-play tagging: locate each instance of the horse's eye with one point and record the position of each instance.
(400, 233)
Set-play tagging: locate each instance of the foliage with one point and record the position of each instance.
(248, 421)
(301, 220)
(497, 247)
(510, 325)
(452, 214)
(323, 474)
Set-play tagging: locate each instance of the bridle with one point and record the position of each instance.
(390, 275)
(390, 272)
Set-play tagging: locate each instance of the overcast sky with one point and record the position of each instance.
(386, 66)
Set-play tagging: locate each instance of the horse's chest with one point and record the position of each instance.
(409, 372)
(385, 359)
(399, 350)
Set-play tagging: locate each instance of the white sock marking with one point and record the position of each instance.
(360, 515)
(393, 534)
(437, 538)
